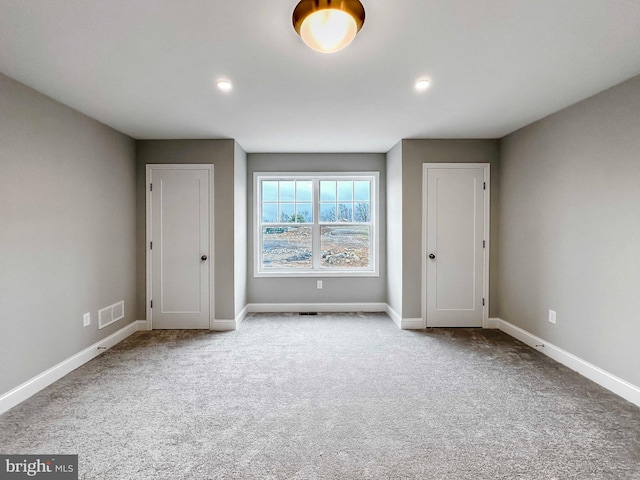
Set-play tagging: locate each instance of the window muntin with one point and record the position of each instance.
(345, 201)
(287, 201)
(315, 224)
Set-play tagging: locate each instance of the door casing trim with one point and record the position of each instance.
(149, 271)
(486, 167)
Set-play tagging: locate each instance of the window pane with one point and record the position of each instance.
(345, 191)
(345, 212)
(269, 191)
(305, 213)
(287, 191)
(327, 191)
(270, 212)
(327, 212)
(315, 224)
(303, 191)
(344, 247)
(287, 212)
(362, 191)
(286, 247)
(362, 212)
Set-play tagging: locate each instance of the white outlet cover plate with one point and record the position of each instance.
(552, 316)
(86, 319)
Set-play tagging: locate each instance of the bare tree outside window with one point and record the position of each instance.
(362, 213)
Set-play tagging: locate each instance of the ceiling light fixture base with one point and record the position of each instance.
(328, 25)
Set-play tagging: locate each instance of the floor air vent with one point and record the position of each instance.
(308, 313)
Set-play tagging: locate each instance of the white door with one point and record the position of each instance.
(455, 239)
(180, 245)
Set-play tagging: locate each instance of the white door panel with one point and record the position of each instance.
(455, 234)
(180, 232)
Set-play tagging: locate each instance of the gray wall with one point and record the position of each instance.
(303, 290)
(394, 228)
(414, 154)
(222, 154)
(570, 229)
(240, 228)
(67, 231)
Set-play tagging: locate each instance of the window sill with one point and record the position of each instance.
(316, 274)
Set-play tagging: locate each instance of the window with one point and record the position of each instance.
(320, 224)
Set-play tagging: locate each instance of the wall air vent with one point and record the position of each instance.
(110, 314)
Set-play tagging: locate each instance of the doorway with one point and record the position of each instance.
(180, 246)
(455, 244)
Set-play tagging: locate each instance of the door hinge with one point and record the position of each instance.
(483, 302)
(152, 303)
(484, 186)
(151, 245)
(151, 187)
(484, 244)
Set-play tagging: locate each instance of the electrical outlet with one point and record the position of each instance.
(86, 319)
(552, 316)
(319, 284)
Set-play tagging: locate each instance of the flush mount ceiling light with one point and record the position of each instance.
(422, 84)
(328, 25)
(224, 85)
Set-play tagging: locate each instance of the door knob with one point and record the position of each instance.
(203, 257)
(432, 256)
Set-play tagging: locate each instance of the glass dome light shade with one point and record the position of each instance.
(328, 30)
(328, 25)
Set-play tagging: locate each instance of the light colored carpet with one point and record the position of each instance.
(344, 396)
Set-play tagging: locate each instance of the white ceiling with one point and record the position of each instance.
(148, 67)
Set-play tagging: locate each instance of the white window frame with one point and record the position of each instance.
(316, 177)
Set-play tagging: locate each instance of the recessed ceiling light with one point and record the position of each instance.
(328, 26)
(422, 84)
(224, 85)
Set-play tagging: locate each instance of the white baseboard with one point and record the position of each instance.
(403, 323)
(228, 325)
(393, 315)
(315, 307)
(46, 378)
(224, 325)
(412, 324)
(418, 323)
(241, 316)
(143, 325)
(603, 378)
(491, 323)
